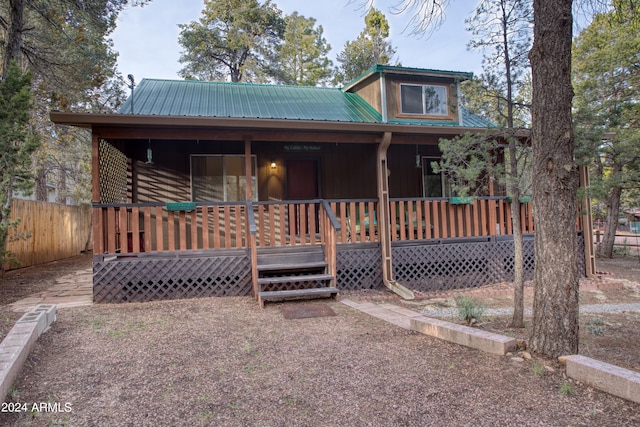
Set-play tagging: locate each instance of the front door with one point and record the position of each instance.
(302, 184)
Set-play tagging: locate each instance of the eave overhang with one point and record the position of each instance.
(140, 122)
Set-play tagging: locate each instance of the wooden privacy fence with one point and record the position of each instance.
(47, 232)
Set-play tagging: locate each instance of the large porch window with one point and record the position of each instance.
(221, 178)
(434, 184)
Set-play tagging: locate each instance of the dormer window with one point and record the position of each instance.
(424, 100)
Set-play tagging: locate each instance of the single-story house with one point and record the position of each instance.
(211, 188)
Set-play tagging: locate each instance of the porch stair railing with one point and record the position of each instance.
(299, 271)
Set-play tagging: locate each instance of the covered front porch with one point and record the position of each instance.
(152, 251)
(181, 213)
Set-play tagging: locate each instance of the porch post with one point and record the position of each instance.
(384, 227)
(247, 168)
(493, 229)
(96, 218)
(587, 225)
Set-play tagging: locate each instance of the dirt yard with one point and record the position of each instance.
(223, 361)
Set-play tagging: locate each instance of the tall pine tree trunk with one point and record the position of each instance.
(41, 191)
(13, 42)
(613, 207)
(555, 182)
(517, 321)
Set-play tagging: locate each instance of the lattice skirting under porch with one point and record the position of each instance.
(437, 265)
(462, 263)
(171, 276)
(359, 266)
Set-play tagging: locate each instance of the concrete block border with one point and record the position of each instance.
(609, 378)
(464, 335)
(603, 376)
(17, 345)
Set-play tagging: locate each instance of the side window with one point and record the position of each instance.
(434, 184)
(424, 100)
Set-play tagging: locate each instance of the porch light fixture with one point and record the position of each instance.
(273, 165)
(417, 157)
(149, 154)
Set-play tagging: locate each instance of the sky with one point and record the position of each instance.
(147, 37)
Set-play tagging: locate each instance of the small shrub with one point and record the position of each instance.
(537, 369)
(469, 310)
(14, 392)
(596, 326)
(566, 388)
(595, 330)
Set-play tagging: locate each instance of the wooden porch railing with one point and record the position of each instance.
(147, 227)
(330, 227)
(439, 218)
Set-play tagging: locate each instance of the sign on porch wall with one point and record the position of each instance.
(302, 148)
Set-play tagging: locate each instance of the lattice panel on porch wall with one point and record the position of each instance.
(434, 267)
(155, 279)
(359, 268)
(447, 266)
(113, 167)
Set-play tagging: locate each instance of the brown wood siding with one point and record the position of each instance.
(405, 179)
(370, 92)
(168, 178)
(346, 170)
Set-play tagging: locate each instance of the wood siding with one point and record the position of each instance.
(346, 171)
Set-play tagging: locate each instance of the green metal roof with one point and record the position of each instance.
(195, 98)
(241, 100)
(469, 120)
(389, 69)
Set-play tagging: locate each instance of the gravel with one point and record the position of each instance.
(226, 362)
(452, 312)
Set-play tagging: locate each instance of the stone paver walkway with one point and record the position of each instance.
(72, 290)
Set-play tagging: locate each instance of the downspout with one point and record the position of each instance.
(383, 220)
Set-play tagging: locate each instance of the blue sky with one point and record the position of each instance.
(147, 38)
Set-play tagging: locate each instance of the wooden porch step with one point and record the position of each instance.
(291, 266)
(292, 279)
(268, 250)
(291, 260)
(297, 293)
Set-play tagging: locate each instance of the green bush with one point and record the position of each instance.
(469, 309)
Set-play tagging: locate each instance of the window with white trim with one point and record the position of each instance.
(221, 178)
(424, 100)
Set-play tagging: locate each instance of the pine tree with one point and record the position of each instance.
(17, 143)
(370, 48)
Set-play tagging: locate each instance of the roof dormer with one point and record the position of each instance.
(412, 95)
